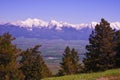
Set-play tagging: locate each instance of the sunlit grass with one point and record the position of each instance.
(88, 76)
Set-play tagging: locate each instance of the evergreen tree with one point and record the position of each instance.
(9, 66)
(70, 62)
(33, 66)
(117, 49)
(100, 55)
(76, 62)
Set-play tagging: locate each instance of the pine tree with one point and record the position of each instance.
(66, 63)
(33, 66)
(76, 61)
(100, 51)
(117, 49)
(70, 62)
(9, 66)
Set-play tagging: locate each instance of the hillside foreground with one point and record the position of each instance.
(113, 74)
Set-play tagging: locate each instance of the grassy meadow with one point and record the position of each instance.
(113, 74)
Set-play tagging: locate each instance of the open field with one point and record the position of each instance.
(106, 75)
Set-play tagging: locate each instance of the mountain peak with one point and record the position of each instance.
(29, 23)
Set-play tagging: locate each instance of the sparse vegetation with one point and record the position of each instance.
(113, 74)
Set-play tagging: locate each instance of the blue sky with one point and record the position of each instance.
(72, 11)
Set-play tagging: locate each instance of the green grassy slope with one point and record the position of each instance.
(106, 75)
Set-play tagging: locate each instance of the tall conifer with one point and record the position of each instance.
(9, 66)
(33, 66)
(117, 49)
(70, 62)
(100, 51)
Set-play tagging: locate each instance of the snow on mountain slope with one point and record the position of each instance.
(115, 25)
(30, 23)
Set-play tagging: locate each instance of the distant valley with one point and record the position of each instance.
(52, 50)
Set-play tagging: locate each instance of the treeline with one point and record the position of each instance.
(103, 53)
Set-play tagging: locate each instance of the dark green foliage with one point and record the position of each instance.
(100, 55)
(70, 62)
(117, 49)
(33, 66)
(9, 67)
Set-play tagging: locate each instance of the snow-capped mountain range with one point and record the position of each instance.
(50, 30)
(30, 23)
